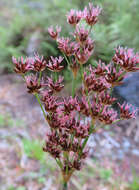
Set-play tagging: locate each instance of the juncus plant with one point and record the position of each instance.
(73, 119)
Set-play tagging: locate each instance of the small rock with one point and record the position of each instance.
(120, 154)
(112, 141)
(126, 144)
(135, 152)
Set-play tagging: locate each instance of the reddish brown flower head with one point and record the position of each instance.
(127, 59)
(54, 34)
(67, 166)
(95, 109)
(81, 130)
(114, 77)
(105, 98)
(53, 121)
(76, 146)
(108, 116)
(77, 164)
(67, 121)
(51, 104)
(82, 55)
(38, 64)
(45, 94)
(81, 34)
(83, 107)
(22, 66)
(66, 46)
(91, 14)
(51, 146)
(64, 142)
(93, 83)
(55, 86)
(33, 84)
(69, 104)
(74, 17)
(100, 70)
(89, 45)
(89, 79)
(126, 111)
(53, 137)
(55, 64)
(99, 85)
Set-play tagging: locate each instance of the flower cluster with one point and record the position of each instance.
(126, 59)
(66, 116)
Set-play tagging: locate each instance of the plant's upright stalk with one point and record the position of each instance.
(65, 186)
(90, 29)
(66, 59)
(81, 70)
(55, 75)
(40, 74)
(38, 99)
(73, 86)
(23, 76)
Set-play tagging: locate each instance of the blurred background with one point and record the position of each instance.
(114, 156)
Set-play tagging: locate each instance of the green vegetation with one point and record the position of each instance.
(6, 120)
(33, 149)
(105, 174)
(135, 182)
(18, 188)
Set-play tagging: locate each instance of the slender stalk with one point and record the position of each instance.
(67, 161)
(66, 59)
(65, 186)
(23, 76)
(90, 29)
(58, 161)
(73, 86)
(55, 75)
(86, 140)
(111, 90)
(38, 99)
(40, 74)
(81, 67)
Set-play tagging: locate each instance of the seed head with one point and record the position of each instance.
(55, 64)
(126, 111)
(33, 84)
(54, 34)
(74, 17)
(55, 86)
(22, 66)
(127, 59)
(38, 64)
(91, 14)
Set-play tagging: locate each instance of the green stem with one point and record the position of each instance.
(23, 76)
(90, 29)
(58, 161)
(86, 140)
(117, 121)
(40, 74)
(122, 75)
(81, 67)
(73, 86)
(66, 58)
(67, 161)
(111, 90)
(38, 99)
(65, 186)
(55, 74)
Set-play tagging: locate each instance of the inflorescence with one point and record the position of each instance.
(66, 116)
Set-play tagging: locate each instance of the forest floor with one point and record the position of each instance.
(114, 151)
